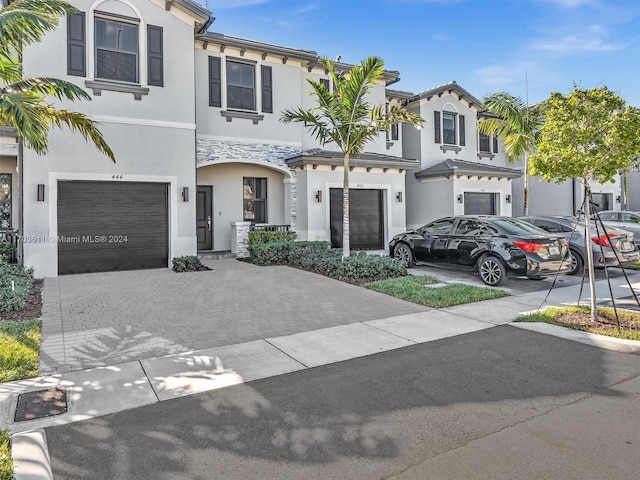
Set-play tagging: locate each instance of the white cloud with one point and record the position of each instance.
(572, 44)
(573, 3)
(442, 37)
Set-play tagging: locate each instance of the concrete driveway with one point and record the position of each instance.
(100, 319)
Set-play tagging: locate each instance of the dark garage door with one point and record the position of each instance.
(105, 226)
(477, 203)
(366, 226)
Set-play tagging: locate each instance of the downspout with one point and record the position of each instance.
(573, 195)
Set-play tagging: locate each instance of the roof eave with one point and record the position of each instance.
(301, 160)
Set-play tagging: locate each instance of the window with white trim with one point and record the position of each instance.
(112, 54)
(449, 130)
(254, 197)
(116, 49)
(241, 86)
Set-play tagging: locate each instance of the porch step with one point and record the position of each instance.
(216, 255)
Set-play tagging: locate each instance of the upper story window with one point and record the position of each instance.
(487, 145)
(238, 88)
(484, 143)
(449, 130)
(116, 50)
(241, 86)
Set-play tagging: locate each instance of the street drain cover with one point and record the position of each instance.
(40, 404)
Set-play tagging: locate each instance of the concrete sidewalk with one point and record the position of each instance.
(111, 388)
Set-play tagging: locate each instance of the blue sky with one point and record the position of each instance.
(484, 45)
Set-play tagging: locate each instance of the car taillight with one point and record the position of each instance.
(529, 247)
(604, 240)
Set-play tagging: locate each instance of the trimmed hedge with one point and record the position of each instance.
(320, 258)
(15, 287)
(271, 237)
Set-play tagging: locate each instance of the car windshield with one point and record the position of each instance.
(517, 227)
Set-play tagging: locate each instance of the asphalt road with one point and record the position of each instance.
(499, 403)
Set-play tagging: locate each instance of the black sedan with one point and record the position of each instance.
(492, 246)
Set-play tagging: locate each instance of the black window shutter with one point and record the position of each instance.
(462, 141)
(155, 67)
(215, 96)
(267, 89)
(436, 126)
(495, 144)
(76, 63)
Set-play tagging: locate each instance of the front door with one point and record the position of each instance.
(204, 220)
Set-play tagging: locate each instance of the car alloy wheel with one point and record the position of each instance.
(577, 264)
(403, 252)
(492, 271)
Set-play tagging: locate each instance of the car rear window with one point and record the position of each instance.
(517, 227)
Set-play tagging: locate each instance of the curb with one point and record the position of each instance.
(593, 339)
(31, 456)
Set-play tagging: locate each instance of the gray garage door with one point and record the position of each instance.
(104, 226)
(480, 203)
(366, 225)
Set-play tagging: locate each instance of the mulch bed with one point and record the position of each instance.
(583, 320)
(33, 308)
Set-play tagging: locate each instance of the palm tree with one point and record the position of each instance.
(517, 124)
(25, 102)
(343, 116)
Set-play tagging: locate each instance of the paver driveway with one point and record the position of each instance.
(109, 318)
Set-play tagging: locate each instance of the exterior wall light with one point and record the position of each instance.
(508, 198)
(319, 196)
(41, 192)
(460, 199)
(185, 194)
(399, 197)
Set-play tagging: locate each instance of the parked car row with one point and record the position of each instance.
(629, 221)
(614, 248)
(498, 247)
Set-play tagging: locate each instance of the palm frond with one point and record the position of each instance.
(52, 87)
(27, 21)
(77, 122)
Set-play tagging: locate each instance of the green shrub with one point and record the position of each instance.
(271, 237)
(188, 263)
(6, 462)
(6, 251)
(320, 258)
(15, 287)
(282, 253)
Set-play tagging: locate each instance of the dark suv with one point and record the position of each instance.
(494, 247)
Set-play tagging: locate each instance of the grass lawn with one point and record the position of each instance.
(413, 289)
(19, 350)
(579, 318)
(6, 463)
(633, 266)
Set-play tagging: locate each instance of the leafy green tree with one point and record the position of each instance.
(518, 126)
(589, 135)
(344, 117)
(25, 103)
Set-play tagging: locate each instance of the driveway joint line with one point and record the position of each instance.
(146, 375)
(388, 332)
(285, 353)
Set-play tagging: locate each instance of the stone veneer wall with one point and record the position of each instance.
(210, 152)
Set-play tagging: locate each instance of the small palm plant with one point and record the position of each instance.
(25, 102)
(518, 125)
(344, 117)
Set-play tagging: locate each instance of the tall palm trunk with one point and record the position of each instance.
(345, 208)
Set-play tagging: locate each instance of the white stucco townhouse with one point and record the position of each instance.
(460, 171)
(193, 119)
